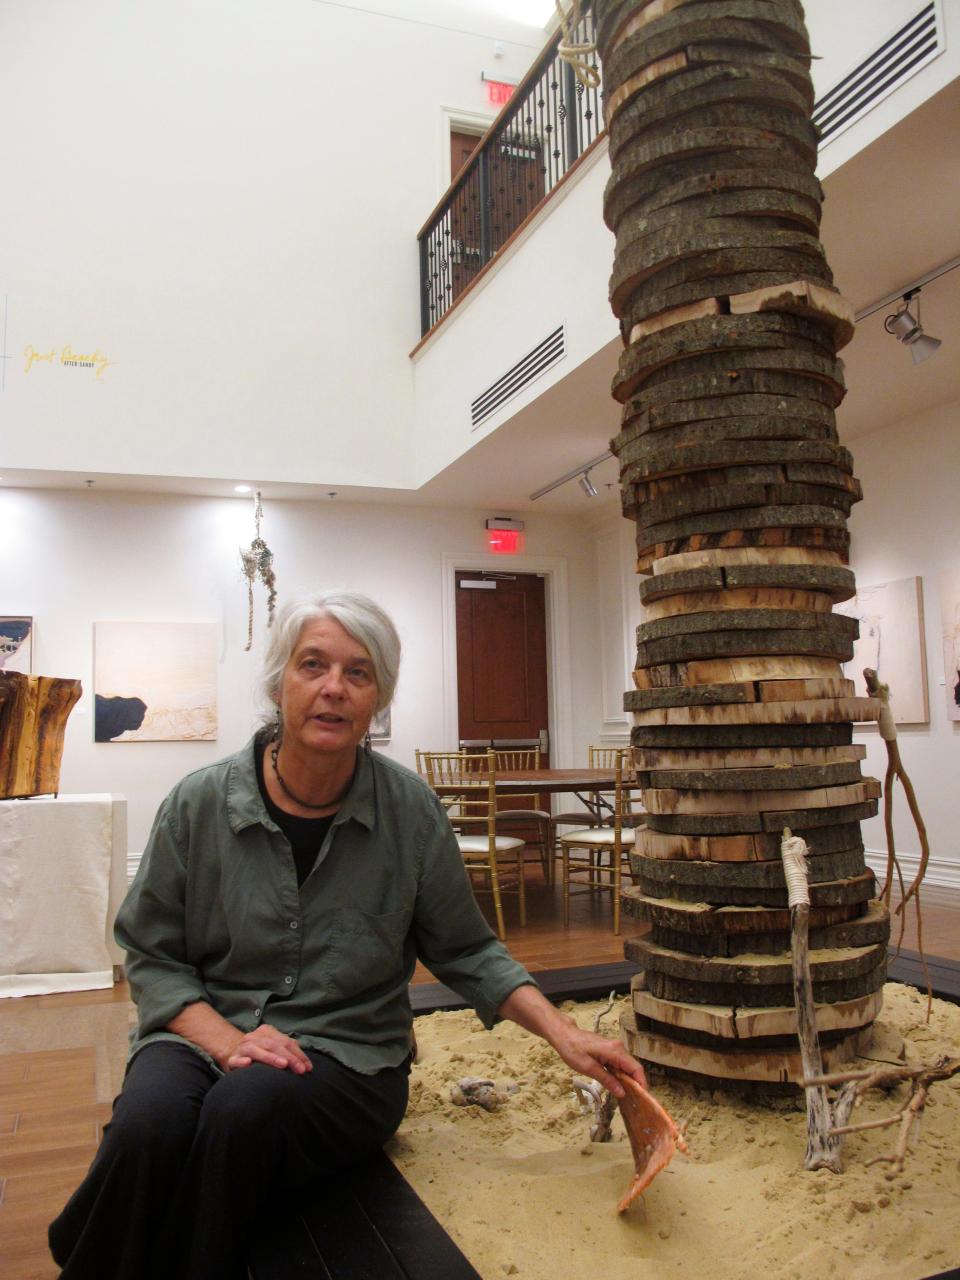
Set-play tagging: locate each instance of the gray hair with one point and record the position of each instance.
(359, 616)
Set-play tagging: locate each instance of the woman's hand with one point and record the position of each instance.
(585, 1051)
(596, 1056)
(271, 1047)
(230, 1048)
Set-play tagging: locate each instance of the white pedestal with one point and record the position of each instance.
(63, 867)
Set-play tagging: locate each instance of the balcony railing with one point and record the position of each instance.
(549, 121)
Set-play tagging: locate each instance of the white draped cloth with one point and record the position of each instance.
(55, 872)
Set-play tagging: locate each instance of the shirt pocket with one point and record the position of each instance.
(368, 949)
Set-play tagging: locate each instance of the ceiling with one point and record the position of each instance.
(890, 217)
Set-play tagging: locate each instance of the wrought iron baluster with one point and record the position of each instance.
(552, 121)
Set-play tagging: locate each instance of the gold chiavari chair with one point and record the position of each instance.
(466, 783)
(524, 809)
(592, 858)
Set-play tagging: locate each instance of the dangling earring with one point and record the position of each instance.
(367, 745)
(278, 727)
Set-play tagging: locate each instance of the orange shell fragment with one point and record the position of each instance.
(653, 1136)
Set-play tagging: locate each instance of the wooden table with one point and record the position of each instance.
(587, 784)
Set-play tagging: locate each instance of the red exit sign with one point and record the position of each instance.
(499, 92)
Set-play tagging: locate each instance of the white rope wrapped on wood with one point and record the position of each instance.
(575, 52)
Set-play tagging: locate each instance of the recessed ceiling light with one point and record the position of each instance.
(241, 488)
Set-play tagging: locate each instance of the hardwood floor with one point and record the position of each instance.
(61, 1060)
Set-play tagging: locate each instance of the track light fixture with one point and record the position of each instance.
(580, 474)
(907, 329)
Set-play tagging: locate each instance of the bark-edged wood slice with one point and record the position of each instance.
(772, 822)
(714, 737)
(731, 402)
(781, 598)
(744, 847)
(858, 932)
(703, 919)
(733, 670)
(679, 800)
(733, 453)
(741, 643)
(670, 101)
(746, 555)
(744, 390)
(730, 1023)
(738, 1065)
(832, 964)
(803, 297)
(707, 876)
(768, 331)
(749, 781)
(640, 270)
(858, 888)
(749, 620)
(750, 23)
(837, 583)
(754, 757)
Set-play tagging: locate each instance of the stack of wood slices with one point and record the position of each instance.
(732, 470)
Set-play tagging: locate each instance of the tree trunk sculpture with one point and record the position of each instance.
(33, 719)
(732, 469)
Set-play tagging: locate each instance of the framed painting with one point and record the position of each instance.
(950, 633)
(155, 681)
(16, 644)
(380, 726)
(891, 642)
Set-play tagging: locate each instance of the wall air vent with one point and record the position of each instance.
(525, 371)
(895, 61)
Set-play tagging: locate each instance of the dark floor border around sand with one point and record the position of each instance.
(593, 982)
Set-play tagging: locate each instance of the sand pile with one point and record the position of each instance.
(524, 1193)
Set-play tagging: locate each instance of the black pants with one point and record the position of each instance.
(192, 1164)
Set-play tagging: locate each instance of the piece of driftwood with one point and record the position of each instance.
(33, 720)
(822, 1147)
(895, 771)
(856, 1083)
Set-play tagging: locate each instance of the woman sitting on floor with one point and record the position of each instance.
(281, 904)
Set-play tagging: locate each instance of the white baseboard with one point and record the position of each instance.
(941, 872)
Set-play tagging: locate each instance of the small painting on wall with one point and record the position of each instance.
(891, 641)
(155, 681)
(16, 644)
(950, 631)
(380, 726)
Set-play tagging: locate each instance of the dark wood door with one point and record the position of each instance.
(501, 657)
(462, 147)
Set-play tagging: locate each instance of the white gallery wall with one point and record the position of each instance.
(75, 558)
(908, 525)
(219, 201)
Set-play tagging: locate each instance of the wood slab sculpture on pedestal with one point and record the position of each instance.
(740, 490)
(33, 719)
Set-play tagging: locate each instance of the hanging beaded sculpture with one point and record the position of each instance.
(257, 561)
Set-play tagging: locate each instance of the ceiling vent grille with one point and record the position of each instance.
(525, 371)
(898, 58)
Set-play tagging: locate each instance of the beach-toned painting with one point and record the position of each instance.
(891, 641)
(950, 631)
(16, 644)
(155, 681)
(380, 726)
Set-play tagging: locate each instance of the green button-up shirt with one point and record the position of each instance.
(215, 914)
